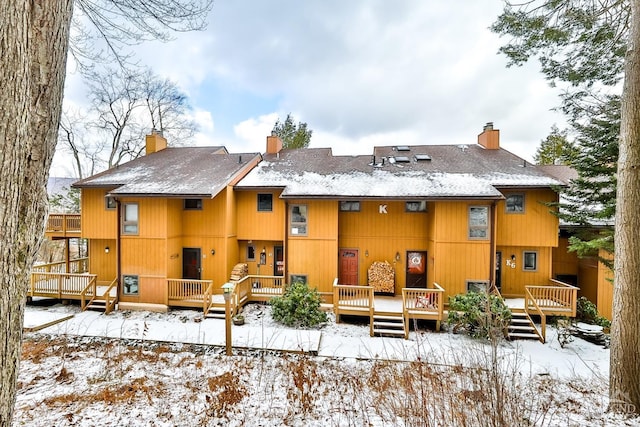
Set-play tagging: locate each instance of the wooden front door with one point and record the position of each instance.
(191, 263)
(348, 274)
(416, 271)
(278, 266)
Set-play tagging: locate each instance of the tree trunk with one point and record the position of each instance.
(624, 392)
(34, 38)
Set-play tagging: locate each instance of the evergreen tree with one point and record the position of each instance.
(292, 135)
(590, 200)
(556, 149)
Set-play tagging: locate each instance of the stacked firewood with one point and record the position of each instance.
(382, 277)
(239, 271)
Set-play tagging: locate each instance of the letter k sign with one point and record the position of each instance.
(382, 209)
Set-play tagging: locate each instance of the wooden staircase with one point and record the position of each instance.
(389, 325)
(215, 312)
(521, 326)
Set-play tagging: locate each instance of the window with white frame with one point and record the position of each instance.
(265, 202)
(477, 285)
(298, 220)
(415, 206)
(130, 284)
(478, 222)
(514, 203)
(349, 206)
(130, 218)
(530, 260)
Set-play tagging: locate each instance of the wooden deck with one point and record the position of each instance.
(63, 226)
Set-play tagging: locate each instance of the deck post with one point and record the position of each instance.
(227, 290)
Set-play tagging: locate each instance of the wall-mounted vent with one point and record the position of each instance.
(403, 148)
(423, 158)
(402, 159)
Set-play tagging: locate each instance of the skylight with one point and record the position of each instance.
(402, 159)
(423, 157)
(403, 148)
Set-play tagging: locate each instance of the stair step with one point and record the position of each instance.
(523, 335)
(396, 332)
(385, 317)
(388, 324)
(521, 328)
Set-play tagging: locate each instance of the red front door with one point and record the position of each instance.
(348, 267)
(416, 269)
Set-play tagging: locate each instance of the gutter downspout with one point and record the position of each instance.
(118, 257)
(285, 248)
(492, 244)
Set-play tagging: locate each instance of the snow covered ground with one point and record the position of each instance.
(169, 369)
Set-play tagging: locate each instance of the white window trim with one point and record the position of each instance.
(125, 222)
(293, 224)
(470, 227)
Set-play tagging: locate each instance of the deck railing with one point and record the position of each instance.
(110, 301)
(558, 298)
(353, 300)
(420, 303)
(532, 305)
(77, 266)
(63, 223)
(59, 285)
(260, 288)
(186, 290)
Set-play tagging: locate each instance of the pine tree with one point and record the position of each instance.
(556, 149)
(292, 135)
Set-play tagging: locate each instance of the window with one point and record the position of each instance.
(349, 206)
(478, 222)
(130, 285)
(251, 253)
(109, 202)
(418, 206)
(515, 203)
(477, 285)
(192, 204)
(298, 220)
(299, 278)
(265, 202)
(130, 218)
(530, 261)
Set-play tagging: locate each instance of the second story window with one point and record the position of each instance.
(415, 206)
(130, 218)
(478, 222)
(192, 204)
(515, 203)
(298, 220)
(349, 206)
(265, 202)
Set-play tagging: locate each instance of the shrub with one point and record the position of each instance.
(587, 312)
(480, 314)
(298, 307)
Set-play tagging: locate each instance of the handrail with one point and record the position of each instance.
(93, 285)
(559, 298)
(77, 265)
(207, 302)
(110, 304)
(542, 333)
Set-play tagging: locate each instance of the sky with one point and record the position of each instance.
(360, 73)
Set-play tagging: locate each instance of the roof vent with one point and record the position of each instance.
(239, 159)
(423, 158)
(463, 147)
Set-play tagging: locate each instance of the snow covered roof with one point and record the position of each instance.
(182, 171)
(428, 171)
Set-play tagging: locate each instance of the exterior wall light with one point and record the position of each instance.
(106, 249)
(398, 256)
(213, 251)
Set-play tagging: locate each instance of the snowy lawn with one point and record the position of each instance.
(169, 369)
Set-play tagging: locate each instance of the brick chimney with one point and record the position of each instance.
(490, 137)
(274, 144)
(155, 142)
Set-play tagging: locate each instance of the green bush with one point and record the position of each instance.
(587, 312)
(298, 307)
(480, 314)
